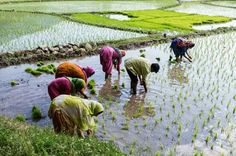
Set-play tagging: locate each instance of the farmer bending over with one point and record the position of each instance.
(180, 48)
(73, 115)
(74, 70)
(110, 56)
(139, 68)
(66, 85)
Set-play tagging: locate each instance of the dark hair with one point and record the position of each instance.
(155, 67)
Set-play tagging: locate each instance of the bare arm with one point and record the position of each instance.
(89, 132)
(82, 93)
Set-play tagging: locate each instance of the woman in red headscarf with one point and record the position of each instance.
(73, 70)
(110, 56)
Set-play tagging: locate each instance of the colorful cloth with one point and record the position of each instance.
(180, 46)
(110, 56)
(59, 86)
(65, 85)
(77, 85)
(89, 71)
(138, 66)
(73, 70)
(70, 113)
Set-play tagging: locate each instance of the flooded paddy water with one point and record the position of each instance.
(205, 9)
(28, 31)
(86, 6)
(215, 26)
(189, 107)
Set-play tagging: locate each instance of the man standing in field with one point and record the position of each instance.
(139, 68)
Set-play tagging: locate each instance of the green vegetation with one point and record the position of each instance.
(48, 69)
(21, 139)
(20, 118)
(150, 20)
(14, 82)
(91, 86)
(36, 113)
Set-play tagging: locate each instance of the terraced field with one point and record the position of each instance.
(86, 6)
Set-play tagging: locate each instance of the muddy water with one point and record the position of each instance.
(183, 100)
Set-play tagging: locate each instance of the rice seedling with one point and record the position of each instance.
(142, 55)
(198, 153)
(49, 69)
(234, 110)
(123, 85)
(212, 146)
(158, 59)
(207, 139)
(179, 130)
(142, 50)
(158, 153)
(234, 97)
(114, 116)
(161, 147)
(91, 84)
(115, 87)
(40, 63)
(195, 133)
(132, 148)
(125, 125)
(33, 72)
(135, 124)
(145, 123)
(14, 83)
(204, 123)
(93, 91)
(20, 118)
(215, 135)
(36, 113)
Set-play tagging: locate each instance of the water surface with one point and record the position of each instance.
(183, 100)
(86, 6)
(26, 31)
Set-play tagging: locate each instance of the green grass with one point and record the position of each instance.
(17, 138)
(150, 20)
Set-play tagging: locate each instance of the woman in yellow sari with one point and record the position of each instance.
(73, 115)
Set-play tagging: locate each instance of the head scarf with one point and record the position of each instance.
(121, 53)
(89, 71)
(95, 107)
(77, 84)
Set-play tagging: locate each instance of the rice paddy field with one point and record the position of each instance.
(230, 4)
(205, 9)
(86, 6)
(189, 107)
(28, 31)
(151, 20)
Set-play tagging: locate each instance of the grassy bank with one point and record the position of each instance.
(20, 139)
(150, 20)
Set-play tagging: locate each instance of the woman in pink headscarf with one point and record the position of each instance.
(73, 70)
(110, 56)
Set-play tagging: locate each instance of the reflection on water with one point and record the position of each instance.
(119, 17)
(168, 116)
(177, 73)
(107, 91)
(215, 26)
(136, 108)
